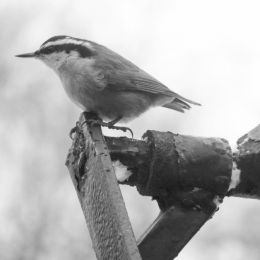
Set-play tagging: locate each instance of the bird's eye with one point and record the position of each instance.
(50, 49)
(47, 50)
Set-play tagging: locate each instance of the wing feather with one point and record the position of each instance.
(143, 83)
(121, 74)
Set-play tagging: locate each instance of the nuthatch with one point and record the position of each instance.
(101, 81)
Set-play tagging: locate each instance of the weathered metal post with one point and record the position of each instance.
(93, 176)
(188, 176)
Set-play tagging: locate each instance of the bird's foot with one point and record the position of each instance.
(122, 128)
(109, 125)
(74, 130)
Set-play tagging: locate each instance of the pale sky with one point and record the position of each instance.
(207, 51)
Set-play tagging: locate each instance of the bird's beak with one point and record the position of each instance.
(27, 55)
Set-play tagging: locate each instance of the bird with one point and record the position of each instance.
(103, 82)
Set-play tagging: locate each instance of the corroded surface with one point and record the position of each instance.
(188, 176)
(247, 163)
(100, 197)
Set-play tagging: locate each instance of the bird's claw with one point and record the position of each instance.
(122, 128)
(74, 130)
(93, 122)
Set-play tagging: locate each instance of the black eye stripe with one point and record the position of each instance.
(48, 50)
(68, 47)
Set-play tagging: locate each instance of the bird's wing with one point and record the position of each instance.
(122, 75)
(136, 80)
(141, 81)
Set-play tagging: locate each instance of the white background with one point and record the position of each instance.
(207, 51)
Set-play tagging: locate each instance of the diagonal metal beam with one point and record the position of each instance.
(170, 232)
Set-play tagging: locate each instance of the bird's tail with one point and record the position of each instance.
(180, 104)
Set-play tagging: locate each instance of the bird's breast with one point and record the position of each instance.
(79, 90)
(78, 79)
(88, 89)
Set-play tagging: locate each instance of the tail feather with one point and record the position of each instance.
(179, 97)
(179, 104)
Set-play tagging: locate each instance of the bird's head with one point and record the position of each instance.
(59, 49)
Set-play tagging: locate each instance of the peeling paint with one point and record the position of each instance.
(235, 177)
(244, 141)
(121, 171)
(217, 201)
